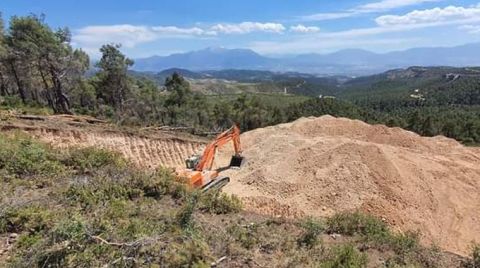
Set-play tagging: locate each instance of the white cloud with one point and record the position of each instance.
(130, 35)
(435, 16)
(304, 29)
(374, 7)
(248, 27)
(386, 5)
(173, 30)
(327, 16)
(468, 19)
(471, 29)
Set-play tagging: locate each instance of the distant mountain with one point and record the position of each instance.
(207, 59)
(345, 62)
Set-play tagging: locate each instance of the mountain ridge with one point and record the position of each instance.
(345, 62)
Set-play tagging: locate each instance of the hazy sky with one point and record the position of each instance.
(160, 27)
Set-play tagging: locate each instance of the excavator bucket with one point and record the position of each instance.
(236, 161)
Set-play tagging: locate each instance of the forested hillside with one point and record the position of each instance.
(41, 72)
(429, 101)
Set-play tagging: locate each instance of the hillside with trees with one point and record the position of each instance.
(41, 72)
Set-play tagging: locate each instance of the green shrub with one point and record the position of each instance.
(356, 223)
(245, 235)
(184, 216)
(374, 231)
(90, 159)
(190, 253)
(312, 228)
(220, 203)
(22, 156)
(96, 192)
(71, 228)
(32, 219)
(159, 184)
(474, 262)
(27, 240)
(403, 243)
(346, 256)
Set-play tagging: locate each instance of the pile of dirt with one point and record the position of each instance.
(321, 166)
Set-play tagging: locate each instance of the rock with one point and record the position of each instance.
(335, 236)
(13, 236)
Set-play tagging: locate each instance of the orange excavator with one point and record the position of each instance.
(199, 173)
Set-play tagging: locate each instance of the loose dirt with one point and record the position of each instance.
(320, 166)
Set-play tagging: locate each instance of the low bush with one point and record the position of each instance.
(89, 159)
(345, 256)
(245, 235)
(474, 261)
(22, 156)
(373, 231)
(32, 219)
(220, 203)
(356, 223)
(184, 216)
(312, 229)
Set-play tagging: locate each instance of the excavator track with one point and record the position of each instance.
(216, 184)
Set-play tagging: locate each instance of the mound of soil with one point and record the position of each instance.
(321, 166)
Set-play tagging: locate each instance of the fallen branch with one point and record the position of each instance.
(138, 243)
(215, 263)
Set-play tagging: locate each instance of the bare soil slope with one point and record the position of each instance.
(148, 148)
(320, 166)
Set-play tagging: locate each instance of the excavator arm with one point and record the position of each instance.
(208, 157)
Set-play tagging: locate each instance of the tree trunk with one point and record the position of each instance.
(3, 86)
(21, 90)
(48, 94)
(61, 100)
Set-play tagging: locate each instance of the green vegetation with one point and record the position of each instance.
(429, 101)
(346, 256)
(21, 156)
(474, 262)
(312, 229)
(95, 209)
(372, 231)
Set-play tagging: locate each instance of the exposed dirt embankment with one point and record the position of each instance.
(148, 149)
(320, 166)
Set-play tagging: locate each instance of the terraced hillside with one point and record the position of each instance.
(148, 148)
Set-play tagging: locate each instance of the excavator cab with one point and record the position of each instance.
(192, 161)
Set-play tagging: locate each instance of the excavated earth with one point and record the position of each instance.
(321, 166)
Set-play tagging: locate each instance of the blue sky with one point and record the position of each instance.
(270, 27)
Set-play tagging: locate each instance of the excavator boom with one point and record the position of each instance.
(208, 157)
